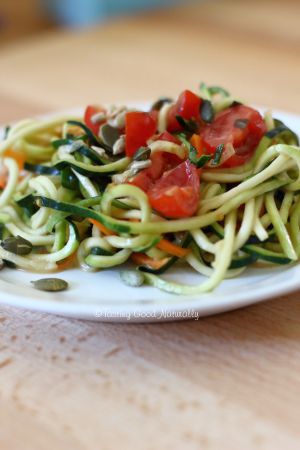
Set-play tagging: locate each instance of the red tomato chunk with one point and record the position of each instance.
(241, 126)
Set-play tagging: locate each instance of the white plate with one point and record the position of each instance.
(102, 296)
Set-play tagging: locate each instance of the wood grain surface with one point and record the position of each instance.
(225, 382)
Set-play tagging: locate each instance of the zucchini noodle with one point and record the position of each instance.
(13, 174)
(70, 200)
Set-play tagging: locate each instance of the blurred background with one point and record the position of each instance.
(63, 53)
(24, 18)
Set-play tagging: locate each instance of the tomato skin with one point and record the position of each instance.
(166, 136)
(90, 111)
(187, 106)
(139, 127)
(176, 194)
(235, 161)
(224, 131)
(154, 114)
(161, 162)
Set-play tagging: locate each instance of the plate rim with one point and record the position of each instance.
(151, 312)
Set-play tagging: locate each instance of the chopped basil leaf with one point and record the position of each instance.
(207, 111)
(188, 125)
(213, 90)
(198, 161)
(241, 123)
(218, 155)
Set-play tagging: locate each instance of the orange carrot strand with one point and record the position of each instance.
(17, 156)
(67, 262)
(102, 228)
(144, 260)
(172, 249)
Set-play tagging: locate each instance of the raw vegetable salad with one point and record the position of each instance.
(203, 179)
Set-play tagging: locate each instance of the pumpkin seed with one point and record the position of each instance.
(17, 245)
(98, 117)
(142, 153)
(132, 278)
(207, 111)
(100, 151)
(160, 103)
(133, 169)
(120, 178)
(136, 166)
(109, 135)
(241, 123)
(50, 284)
(118, 120)
(119, 146)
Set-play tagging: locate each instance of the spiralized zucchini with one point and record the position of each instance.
(67, 202)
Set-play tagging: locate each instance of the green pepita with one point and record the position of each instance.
(17, 245)
(207, 111)
(132, 278)
(241, 123)
(50, 284)
(160, 103)
(109, 135)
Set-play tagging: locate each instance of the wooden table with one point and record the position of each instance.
(225, 382)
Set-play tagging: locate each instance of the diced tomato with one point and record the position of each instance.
(142, 180)
(166, 136)
(89, 113)
(154, 114)
(139, 127)
(160, 163)
(176, 194)
(241, 126)
(236, 160)
(187, 106)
